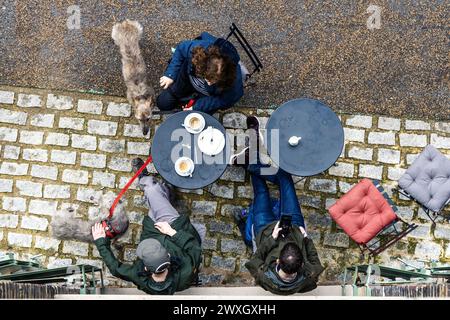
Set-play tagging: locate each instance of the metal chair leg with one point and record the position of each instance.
(367, 283)
(354, 286)
(102, 284)
(300, 180)
(392, 241)
(428, 212)
(84, 286)
(343, 282)
(94, 286)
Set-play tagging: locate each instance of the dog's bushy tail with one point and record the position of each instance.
(70, 228)
(126, 35)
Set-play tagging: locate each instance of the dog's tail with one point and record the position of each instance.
(70, 228)
(127, 34)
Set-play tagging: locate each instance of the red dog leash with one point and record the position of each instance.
(122, 192)
(149, 160)
(189, 104)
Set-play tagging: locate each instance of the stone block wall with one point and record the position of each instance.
(59, 148)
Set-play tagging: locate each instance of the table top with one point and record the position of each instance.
(172, 140)
(321, 132)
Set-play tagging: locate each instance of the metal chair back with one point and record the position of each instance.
(236, 33)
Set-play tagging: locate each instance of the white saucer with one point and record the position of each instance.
(189, 117)
(187, 173)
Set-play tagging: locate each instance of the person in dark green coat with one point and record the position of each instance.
(285, 260)
(169, 252)
(285, 265)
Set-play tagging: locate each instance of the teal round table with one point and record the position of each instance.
(321, 132)
(172, 141)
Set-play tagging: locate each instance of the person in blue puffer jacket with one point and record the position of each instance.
(205, 69)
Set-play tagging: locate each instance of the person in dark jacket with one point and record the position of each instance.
(169, 252)
(283, 263)
(205, 69)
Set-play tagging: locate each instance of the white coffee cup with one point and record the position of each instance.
(184, 166)
(194, 122)
(294, 140)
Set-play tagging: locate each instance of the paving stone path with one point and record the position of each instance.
(59, 148)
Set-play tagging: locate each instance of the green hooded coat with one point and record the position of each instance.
(263, 263)
(184, 248)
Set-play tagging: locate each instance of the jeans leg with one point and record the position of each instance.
(255, 169)
(262, 208)
(288, 197)
(160, 207)
(166, 101)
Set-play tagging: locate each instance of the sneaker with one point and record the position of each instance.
(136, 164)
(252, 122)
(240, 218)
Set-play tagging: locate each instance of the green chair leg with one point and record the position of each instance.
(83, 288)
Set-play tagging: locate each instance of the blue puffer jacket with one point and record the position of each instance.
(218, 99)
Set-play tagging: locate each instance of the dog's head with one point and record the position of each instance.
(144, 109)
(66, 212)
(126, 30)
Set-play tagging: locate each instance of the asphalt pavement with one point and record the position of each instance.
(318, 49)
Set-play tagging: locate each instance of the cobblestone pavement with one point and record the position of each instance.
(59, 148)
(317, 49)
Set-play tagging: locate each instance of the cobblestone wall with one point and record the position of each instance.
(60, 148)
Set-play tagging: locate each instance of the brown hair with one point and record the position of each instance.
(210, 64)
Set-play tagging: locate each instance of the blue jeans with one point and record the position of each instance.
(263, 211)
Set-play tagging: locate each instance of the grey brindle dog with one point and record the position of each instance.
(141, 96)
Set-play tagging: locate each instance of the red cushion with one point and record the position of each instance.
(362, 212)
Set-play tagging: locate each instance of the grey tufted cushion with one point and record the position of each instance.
(428, 179)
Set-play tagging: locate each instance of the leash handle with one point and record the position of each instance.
(122, 192)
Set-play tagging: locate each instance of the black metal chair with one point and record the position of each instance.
(257, 65)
